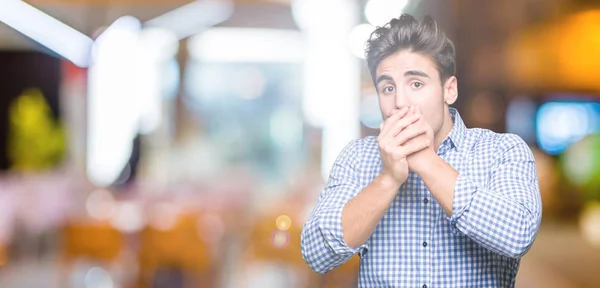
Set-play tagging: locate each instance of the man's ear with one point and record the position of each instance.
(450, 90)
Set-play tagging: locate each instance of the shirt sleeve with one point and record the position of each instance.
(322, 239)
(504, 216)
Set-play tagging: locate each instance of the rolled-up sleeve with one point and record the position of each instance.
(504, 216)
(322, 239)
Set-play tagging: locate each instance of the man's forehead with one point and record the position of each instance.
(403, 61)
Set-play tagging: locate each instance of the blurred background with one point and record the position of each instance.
(182, 144)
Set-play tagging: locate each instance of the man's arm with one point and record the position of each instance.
(344, 217)
(504, 216)
(362, 213)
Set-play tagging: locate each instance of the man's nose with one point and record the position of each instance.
(401, 100)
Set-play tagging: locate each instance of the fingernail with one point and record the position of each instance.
(417, 115)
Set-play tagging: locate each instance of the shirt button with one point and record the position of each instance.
(424, 286)
(425, 200)
(424, 244)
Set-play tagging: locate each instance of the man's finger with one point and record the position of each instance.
(409, 133)
(417, 120)
(414, 146)
(396, 114)
(393, 129)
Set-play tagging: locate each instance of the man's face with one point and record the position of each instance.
(408, 79)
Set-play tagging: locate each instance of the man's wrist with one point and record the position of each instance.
(387, 182)
(426, 163)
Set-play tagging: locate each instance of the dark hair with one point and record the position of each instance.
(405, 32)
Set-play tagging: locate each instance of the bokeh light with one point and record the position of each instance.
(98, 278)
(280, 239)
(370, 113)
(164, 216)
(357, 40)
(581, 164)
(100, 204)
(560, 124)
(589, 223)
(379, 12)
(128, 217)
(283, 222)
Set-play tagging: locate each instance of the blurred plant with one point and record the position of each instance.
(36, 141)
(581, 165)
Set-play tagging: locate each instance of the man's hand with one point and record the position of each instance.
(416, 134)
(393, 153)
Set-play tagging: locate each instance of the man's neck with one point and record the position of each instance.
(444, 131)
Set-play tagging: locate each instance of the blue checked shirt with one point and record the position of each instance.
(496, 216)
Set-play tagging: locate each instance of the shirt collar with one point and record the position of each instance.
(459, 130)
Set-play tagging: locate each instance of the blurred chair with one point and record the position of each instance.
(95, 241)
(176, 256)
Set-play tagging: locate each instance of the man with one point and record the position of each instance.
(429, 202)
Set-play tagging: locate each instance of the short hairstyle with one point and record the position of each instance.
(406, 33)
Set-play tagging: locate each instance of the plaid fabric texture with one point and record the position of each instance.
(496, 215)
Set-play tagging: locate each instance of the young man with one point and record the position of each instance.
(429, 202)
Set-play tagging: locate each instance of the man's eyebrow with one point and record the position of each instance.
(383, 78)
(416, 73)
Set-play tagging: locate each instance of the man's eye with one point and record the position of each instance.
(416, 85)
(388, 89)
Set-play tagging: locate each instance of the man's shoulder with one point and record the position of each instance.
(479, 138)
(365, 148)
(369, 142)
(369, 146)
